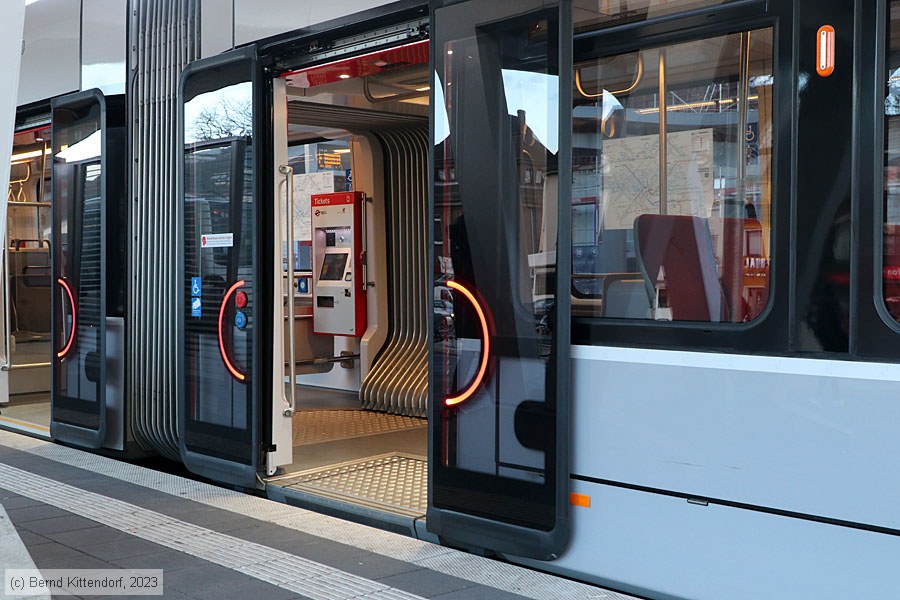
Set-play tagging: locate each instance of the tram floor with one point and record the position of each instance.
(32, 409)
(362, 460)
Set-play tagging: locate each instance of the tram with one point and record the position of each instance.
(605, 288)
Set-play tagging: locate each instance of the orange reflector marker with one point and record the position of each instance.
(65, 285)
(237, 374)
(825, 51)
(580, 500)
(485, 348)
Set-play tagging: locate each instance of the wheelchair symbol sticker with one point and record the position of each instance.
(196, 287)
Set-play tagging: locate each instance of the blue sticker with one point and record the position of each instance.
(196, 307)
(196, 286)
(240, 319)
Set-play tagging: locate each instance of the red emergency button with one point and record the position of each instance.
(240, 299)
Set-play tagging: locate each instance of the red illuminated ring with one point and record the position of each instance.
(237, 374)
(65, 285)
(485, 348)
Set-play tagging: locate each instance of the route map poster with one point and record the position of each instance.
(305, 186)
(631, 177)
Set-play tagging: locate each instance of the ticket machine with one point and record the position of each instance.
(339, 302)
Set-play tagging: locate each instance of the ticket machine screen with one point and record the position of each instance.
(333, 266)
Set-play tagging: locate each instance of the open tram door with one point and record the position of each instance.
(88, 272)
(499, 383)
(225, 380)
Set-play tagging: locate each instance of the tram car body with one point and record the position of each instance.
(629, 272)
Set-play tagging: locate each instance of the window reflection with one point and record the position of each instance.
(496, 130)
(891, 259)
(222, 113)
(597, 14)
(678, 231)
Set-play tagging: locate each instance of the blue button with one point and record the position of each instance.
(303, 285)
(240, 319)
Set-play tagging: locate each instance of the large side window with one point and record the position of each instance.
(672, 194)
(891, 257)
(590, 14)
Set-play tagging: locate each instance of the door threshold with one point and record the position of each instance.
(388, 491)
(32, 429)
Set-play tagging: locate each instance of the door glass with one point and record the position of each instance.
(218, 286)
(891, 259)
(597, 14)
(495, 200)
(78, 252)
(682, 232)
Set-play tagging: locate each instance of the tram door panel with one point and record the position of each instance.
(219, 311)
(499, 381)
(88, 279)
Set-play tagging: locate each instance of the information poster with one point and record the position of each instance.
(631, 177)
(305, 185)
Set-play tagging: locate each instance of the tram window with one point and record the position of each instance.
(891, 258)
(591, 14)
(697, 247)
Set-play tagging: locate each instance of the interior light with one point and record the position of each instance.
(23, 156)
(343, 76)
(449, 51)
(423, 89)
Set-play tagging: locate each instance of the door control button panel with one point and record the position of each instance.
(240, 299)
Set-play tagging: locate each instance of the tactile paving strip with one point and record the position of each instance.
(294, 573)
(498, 575)
(315, 426)
(395, 482)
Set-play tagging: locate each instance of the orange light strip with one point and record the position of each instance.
(234, 372)
(582, 500)
(825, 51)
(485, 348)
(65, 285)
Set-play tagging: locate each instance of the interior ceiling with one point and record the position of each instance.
(401, 91)
(312, 119)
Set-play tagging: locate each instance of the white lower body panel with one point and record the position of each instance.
(663, 547)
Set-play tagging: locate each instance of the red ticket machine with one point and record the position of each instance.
(339, 293)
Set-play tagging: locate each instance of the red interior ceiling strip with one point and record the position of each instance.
(65, 285)
(379, 61)
(485, 348)
(231, 369)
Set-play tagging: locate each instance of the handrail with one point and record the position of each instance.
(392, 98)
(68, 347)
(364, 251)
(7, 308)
(33, 204)
(15, 198)
(288, 172)
(485, 348)
(25, 366)
(228, 364)
(629, 89)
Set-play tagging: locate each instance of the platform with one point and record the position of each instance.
(76, 510)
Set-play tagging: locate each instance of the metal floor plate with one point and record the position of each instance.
(316, 426)
(393, 482)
